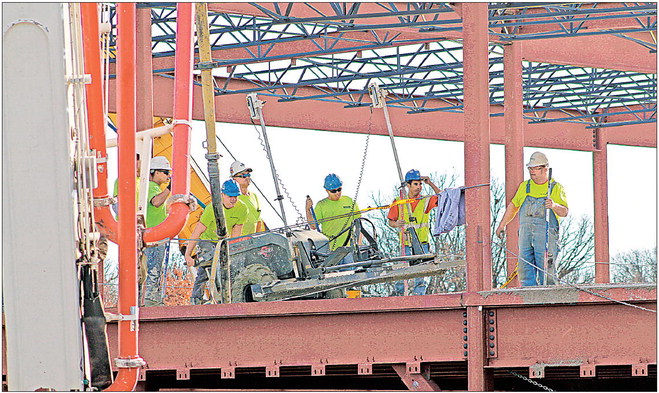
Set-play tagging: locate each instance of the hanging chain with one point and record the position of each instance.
(532, 382)
(361, 174)
(300, 218)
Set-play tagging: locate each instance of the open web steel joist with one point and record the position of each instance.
(414, 51)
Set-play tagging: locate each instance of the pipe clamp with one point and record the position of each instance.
(129, 363)
(101, 202)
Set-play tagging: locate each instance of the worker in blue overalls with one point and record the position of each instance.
(538, 231)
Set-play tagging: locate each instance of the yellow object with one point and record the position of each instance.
(353, 294)
(540, 191)
(162, 146)
(512, 276)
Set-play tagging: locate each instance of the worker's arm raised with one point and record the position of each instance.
(432, 185)
(159, 199)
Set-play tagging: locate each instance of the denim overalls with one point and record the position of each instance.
(532, 234)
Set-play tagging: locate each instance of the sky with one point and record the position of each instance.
(303, 158)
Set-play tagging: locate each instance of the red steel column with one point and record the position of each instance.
(477, 171)
(126, 97)
(600, 192)
(144, 70)
(513, 117)
(477, 145)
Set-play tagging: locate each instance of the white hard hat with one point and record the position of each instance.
(537, 159)
(160, 162)
(238, 167)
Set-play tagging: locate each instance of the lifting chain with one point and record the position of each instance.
(532, 382)
(361, 174)
(300, 218)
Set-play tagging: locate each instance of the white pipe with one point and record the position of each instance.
(150, 133)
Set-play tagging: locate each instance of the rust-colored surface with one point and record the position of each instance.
(539, 325)
(433, 125)
(514, 149)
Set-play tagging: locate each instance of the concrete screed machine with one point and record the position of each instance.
(273, 266)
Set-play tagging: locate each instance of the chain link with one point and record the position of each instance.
(361, 174)
(300, 218)
(532, 382)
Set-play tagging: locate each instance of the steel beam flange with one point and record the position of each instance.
(640, 370)
(413, 367)
(317, 370)
(272, 371)
(365, 369)
(537, 371)
(228, 373)
(182, 374)
(587, 370)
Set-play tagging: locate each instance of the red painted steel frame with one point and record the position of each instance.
(513, 117)
(127, 377)
(477, 171)
(95, 116)
(602, 51)
(178, 211)
(326, 116)
(144, 71)
(546, 326)
(601, 198)
(477, 145)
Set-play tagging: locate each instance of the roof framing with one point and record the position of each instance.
(414, 50)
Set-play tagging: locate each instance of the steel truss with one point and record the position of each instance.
(351, 44)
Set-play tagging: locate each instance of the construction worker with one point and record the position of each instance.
(399, 217)
(536, 235)
(235, 216)
(242, 175)
(156, 212)
(115, 206)
(335, 204)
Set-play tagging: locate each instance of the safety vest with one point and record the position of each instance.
(421, 224)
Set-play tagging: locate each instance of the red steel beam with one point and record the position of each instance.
(514, 150)
(605, 51)
(600, 51)
(601, 205)
(574, 326)
(610, 335)
(326, 116)
(591, 51)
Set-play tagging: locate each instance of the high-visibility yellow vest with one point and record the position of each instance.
(421, 224)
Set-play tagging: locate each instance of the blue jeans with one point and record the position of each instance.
(419, 287)
(198, 287)
(205, 252)
(153, 288)
(532, 249)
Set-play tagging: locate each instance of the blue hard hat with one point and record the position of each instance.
(412, 174)
(332, 182)
(230, 188)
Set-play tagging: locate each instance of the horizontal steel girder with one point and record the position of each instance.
(434, 125)
(274, 42)
(540, 326)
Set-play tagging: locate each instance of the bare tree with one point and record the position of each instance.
(635, 266)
